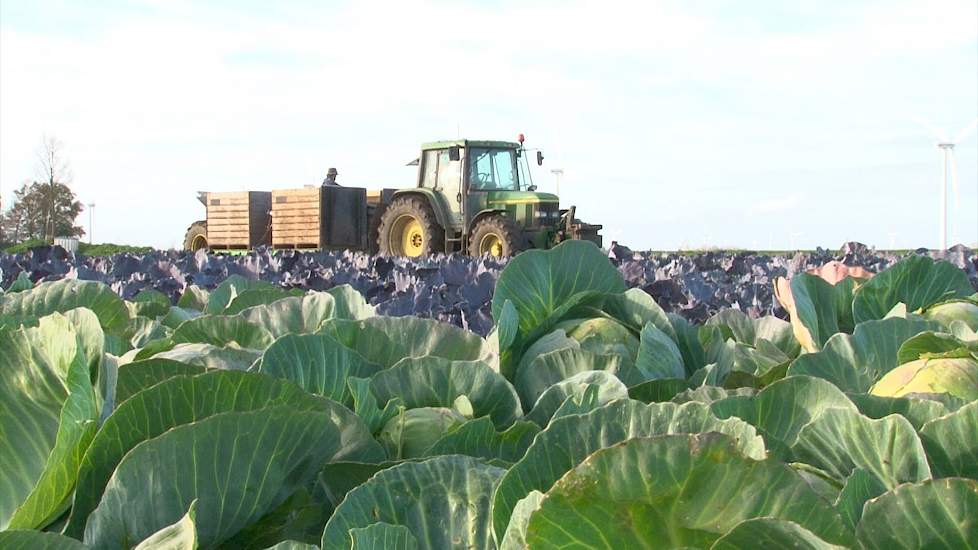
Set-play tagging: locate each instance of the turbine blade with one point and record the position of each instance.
(966, 132)
(937, 134)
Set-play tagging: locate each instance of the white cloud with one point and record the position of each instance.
(777, 205)
(644, 98)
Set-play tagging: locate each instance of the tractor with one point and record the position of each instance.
(471, 196)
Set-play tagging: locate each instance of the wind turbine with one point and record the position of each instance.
(950, 165)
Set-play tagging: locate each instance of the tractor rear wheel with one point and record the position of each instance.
(408, 228)
(496, 236)
(196, 237)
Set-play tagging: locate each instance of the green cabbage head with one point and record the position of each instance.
(411, 433)
(603, 336)
(956, 376)
(958, 310)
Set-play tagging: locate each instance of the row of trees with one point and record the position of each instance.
(44, 208)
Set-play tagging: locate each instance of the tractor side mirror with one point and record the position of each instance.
(454, 153)
(539, 158)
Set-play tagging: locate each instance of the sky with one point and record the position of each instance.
(677, 124)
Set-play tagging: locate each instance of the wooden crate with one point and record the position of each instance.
(238, 220)
(297, 218)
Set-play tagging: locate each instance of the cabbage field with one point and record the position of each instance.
(584, 413)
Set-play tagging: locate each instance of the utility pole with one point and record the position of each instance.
(557, 172)
(91, 221)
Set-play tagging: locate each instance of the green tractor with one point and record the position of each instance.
(475, 197)
(472, 197)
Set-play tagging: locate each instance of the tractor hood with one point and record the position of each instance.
(499, 198)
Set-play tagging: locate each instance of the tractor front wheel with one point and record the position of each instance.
(196, 237)
(496, 236)
(408, 228)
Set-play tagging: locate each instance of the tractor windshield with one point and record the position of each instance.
(493, 169)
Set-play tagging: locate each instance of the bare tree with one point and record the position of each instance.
(46, 207)
(54, 175)
(52, 162)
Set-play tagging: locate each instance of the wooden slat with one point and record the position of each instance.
(312, 221)
(225, 217)
(311, 191)
(222, 229)
(292, 230)
(228, 242)
(295, 236)
(278, 208)
(223, 222)
(242, 208)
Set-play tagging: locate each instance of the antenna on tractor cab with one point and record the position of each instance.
(529, 176)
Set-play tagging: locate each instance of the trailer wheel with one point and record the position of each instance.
(408, 228)
(496, 236)
(374, 216)
(196, 237)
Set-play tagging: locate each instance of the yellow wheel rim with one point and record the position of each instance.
(199, 242)
(491, 244)
(407, 236)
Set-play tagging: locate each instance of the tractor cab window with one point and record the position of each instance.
(430, 167)
(493, 169)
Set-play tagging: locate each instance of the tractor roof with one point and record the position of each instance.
(469, 143)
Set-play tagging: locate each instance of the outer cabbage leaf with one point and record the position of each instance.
(443, 501)
(782, 409)
(221, 330)
(938, 513)
(859, 487)
(48, 416)
(605, 388)
(135, 377)
(25, 539)
(549, 368)
(543, 283)
(951, 444)
(317, 363)
(67, 294)
(955, 375)
(569, 440)
(688, 490)
(839, 441)
(480, 439)
(237, 465)
(636, 309)
(293, 315)
(855, 362)
(917, 281)
(438, 382)
(916, 407)
(218, 299)
(383, 536)
(178, 401)
(181, 535)
(386, 340)
(258, 297)
(771, 533)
